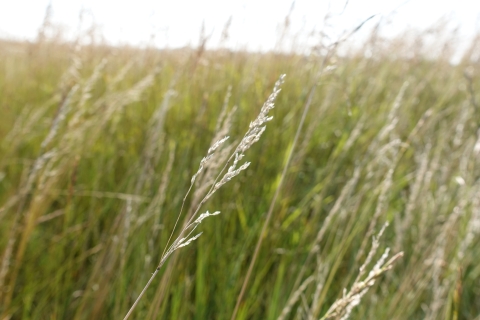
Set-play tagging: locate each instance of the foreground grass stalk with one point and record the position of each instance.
(253, 134)
(141, 294)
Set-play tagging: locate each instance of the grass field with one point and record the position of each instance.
(98, 146)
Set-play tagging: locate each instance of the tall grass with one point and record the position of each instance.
(99, 145)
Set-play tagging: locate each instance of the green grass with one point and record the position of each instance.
(81, 234)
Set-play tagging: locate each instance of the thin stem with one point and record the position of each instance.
(141, 294)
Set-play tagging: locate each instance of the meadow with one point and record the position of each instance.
(364, 188)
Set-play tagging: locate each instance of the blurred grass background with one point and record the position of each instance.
(98, 145)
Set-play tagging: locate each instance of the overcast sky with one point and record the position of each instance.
(255, 23)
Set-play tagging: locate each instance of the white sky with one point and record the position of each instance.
(255, 23)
